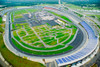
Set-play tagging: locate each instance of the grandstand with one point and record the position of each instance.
(90, 47)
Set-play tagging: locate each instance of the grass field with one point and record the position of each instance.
(19, 12)
(1, 20)
(13, 27)
(39, 52)
(12, 19)
(97, 16)
(32, 10)
(1, 25)
(80, 15)
(32, 38)
(1, 29)
(21, 32)
(44, 32)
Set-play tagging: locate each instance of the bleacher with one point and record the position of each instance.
(87, 50)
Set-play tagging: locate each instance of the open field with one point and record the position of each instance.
(39, 52)
(1, 20)
(1, 29)
(12, 19)
(2, 25)
(98, 16)
(61, 35)
(80, 15)
(32, 10)
(18, 12)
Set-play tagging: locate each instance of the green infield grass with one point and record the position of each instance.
(39, 52)
(19, 12)
(38, 39)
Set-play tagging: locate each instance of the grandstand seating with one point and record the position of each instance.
(90, 46)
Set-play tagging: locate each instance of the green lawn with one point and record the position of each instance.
(63, 38)
(32, 10)
(98, 16)
(38, 44)
(45, 31)
(12, 17)
(1, 20)
(71, 26)
(31, 38)
(80, 15)
(26, 38)
(18, 12)
(21, 32)
(16, 36)
(51, 40)
(72, 36)
(28, 29)
(1, 29)
(39, 52)
(69, 39)
(1, 25)
(14, 60)
(13, 27)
